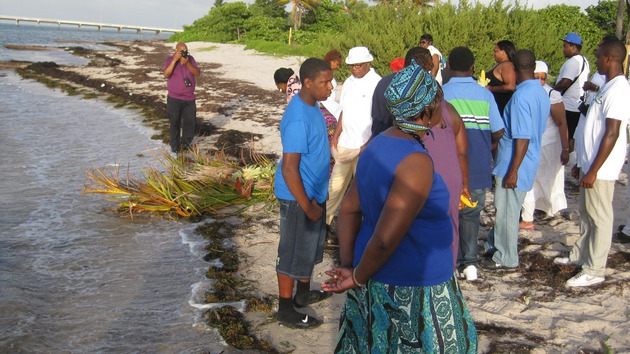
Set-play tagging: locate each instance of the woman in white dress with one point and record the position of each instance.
(548, 192)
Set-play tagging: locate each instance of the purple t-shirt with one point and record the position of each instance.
(175, 85)
(443, 151)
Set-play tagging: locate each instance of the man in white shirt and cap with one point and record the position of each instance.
(573, 74)
(354, 127)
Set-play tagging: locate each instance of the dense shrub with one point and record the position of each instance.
(222, 24)
(389, 29)
(266, 28)
(476, 26)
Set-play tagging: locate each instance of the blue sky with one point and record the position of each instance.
(150, 13)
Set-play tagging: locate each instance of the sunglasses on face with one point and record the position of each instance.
(354, 66)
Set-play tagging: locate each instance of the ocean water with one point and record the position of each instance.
(60, 37)
(74, 276)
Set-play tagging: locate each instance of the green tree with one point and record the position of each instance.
(328, 17)
(222, 24)
(412, 2)
(354, 6)
(271, 29)
(269, 8)
(269, 21)
(604, 15)
(560, 20)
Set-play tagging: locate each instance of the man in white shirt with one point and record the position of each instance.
(426, 41)
(600, 145)
(573, 74)
(354, 127)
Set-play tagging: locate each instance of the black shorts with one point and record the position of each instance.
(572, 122)
(302, 241)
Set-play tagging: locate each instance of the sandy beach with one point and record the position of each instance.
(527, 311)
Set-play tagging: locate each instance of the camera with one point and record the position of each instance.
(184, 54)
(187, 82)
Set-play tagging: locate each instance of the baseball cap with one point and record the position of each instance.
(572, 38)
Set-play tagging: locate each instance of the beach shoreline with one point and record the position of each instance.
(525, 311)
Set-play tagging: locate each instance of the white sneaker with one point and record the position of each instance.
(470, 273)
(562, 261)
(583, 279)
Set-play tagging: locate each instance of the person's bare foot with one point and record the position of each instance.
(526, 225)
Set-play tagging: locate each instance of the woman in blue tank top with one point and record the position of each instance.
(395, 236)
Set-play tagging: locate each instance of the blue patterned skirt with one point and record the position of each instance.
(381, 318)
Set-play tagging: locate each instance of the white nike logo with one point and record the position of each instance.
(305, 320)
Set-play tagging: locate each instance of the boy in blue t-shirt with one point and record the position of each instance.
(301, 186)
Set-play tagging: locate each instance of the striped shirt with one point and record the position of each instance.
(481, 117)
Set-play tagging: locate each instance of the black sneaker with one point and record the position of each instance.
(489, 253)
(620, 237)
(310, 297)
(305, 322)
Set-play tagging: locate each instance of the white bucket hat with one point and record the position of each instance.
(359, 55)
(541, 67)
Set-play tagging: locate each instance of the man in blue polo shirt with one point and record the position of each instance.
(484, 127)
(517, 160)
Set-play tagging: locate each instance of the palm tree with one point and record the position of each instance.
(621, 4)
(299, 9)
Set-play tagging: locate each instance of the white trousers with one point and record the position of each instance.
(342, 174)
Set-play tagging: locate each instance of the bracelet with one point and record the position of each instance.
(354, 279)
(567, 149)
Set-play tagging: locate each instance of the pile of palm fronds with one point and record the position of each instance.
(188, 184)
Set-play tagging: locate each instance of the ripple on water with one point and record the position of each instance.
(76, 277)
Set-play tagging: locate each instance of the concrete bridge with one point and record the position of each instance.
(80, 24)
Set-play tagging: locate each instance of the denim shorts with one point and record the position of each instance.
(302, 241)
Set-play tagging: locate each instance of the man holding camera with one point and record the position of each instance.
(181, 71)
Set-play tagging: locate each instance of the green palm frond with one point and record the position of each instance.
(187, 185)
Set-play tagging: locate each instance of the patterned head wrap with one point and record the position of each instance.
(411, 90)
